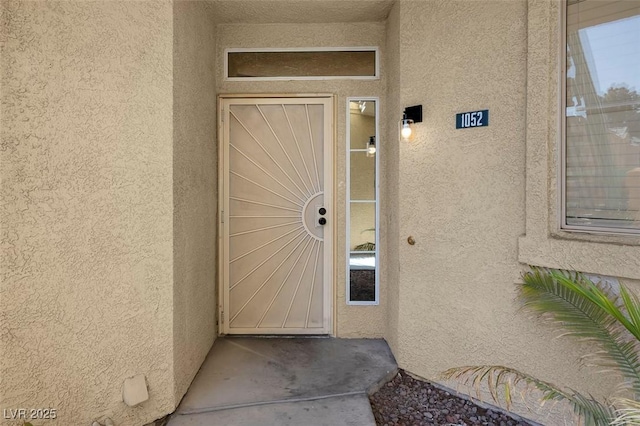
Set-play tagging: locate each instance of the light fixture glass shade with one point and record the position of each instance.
(406, 129)
(371, 147)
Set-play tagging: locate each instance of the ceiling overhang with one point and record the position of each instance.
(300, 11)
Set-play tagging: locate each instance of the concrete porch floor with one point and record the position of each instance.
(286, 381)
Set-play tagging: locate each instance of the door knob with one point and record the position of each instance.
(322, 211)
(322, 221)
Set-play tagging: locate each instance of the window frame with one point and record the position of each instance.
(374, 49)
(377, 175)
(562, 158)
(543, 243)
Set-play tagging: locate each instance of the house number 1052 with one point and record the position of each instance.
(472, 119)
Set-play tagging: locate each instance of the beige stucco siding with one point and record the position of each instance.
(194, 189)
(86, 166)
(390, 226)
(461, 194)
(352, 321)
(108, 194)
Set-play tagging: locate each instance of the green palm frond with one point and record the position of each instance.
(600, 296)
(497, 377)
(629, 414)
(632, 307)
(589, 311)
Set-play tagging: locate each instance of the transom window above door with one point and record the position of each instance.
(359, 63)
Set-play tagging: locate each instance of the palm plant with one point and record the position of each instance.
(590, 312)
(629, 414)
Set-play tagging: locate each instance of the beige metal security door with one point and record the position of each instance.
(277, 166)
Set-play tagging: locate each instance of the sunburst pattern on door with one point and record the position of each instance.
(275, 232)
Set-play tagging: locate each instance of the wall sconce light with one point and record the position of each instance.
(411, 115)
(371, 146)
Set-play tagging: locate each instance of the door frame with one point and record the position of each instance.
(330, 199)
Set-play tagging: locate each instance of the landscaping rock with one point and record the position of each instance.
(404, 397)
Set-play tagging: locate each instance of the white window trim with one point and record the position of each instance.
(348, 200)
(375, 49)
(561, 159)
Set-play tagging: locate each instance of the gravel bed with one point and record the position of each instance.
(408, 401)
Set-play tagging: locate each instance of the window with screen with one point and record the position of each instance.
(601, 152)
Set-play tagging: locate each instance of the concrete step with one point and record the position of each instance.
(350, 410)
(282, 381)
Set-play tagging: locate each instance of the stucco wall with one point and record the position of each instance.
(390, 188)
(86, 194)
(544, 244)
(194, 189)
(352, 321)
(461, 194)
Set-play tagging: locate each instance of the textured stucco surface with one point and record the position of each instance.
(461, 194)
(543, 244)
(300, 11)
(86, 167)
(352, 321)
(194, 189)
(108, 193)
(390, 185)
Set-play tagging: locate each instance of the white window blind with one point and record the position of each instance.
(602, 139)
